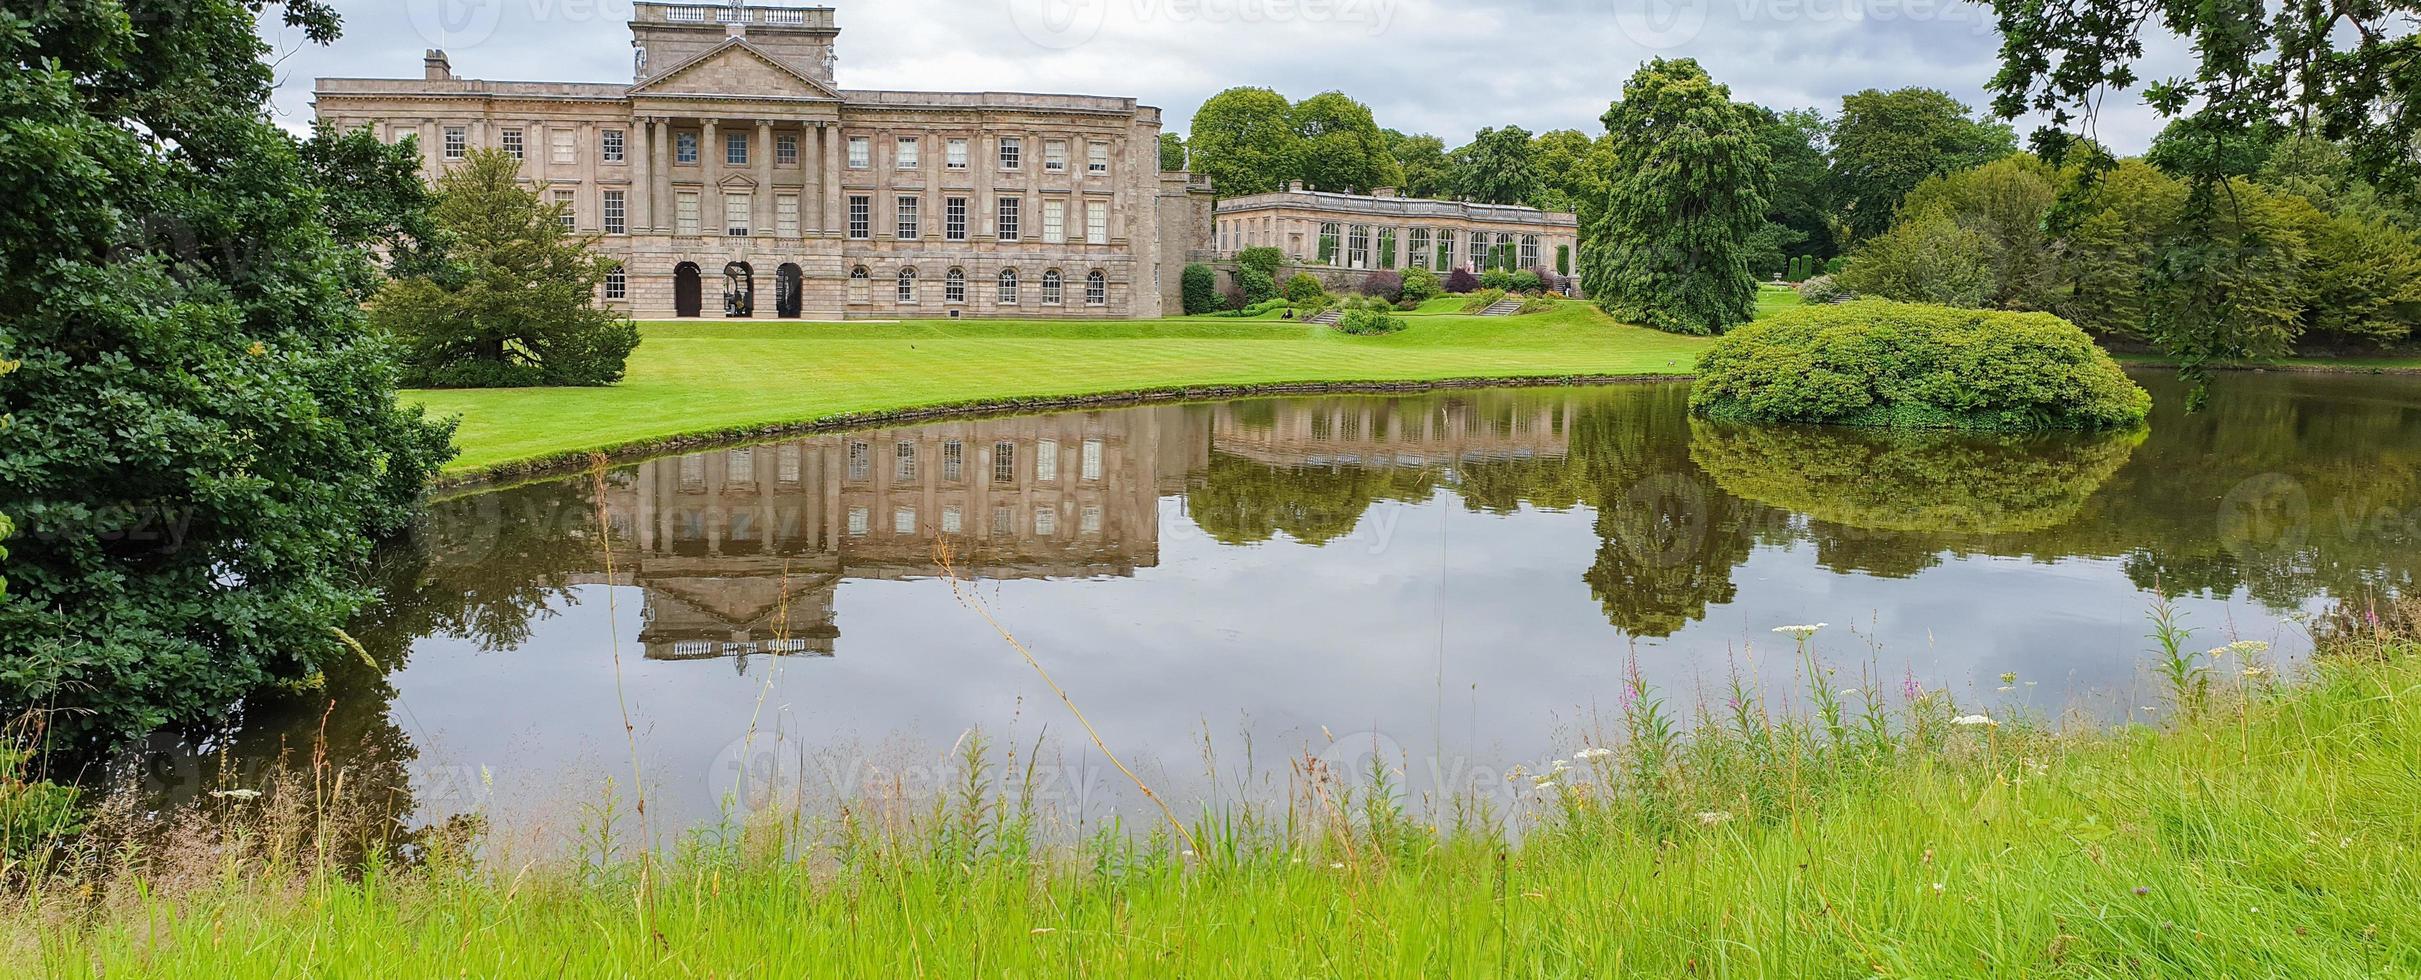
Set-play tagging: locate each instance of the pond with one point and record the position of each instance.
(1456, 582)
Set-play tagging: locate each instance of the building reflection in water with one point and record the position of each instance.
(741, 552)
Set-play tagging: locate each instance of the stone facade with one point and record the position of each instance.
(1347, 231)
(734, 177)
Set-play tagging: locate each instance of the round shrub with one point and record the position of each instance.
(1304, 288)
(1201, 290)
(1421, 286)
(1258, 287)
(1384, 284)
(1823, 290)
(1497, 279)
(1461, 281)
(1527, 281)
(1365, 322)
(1904, 365)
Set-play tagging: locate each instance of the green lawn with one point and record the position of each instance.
(710, 377)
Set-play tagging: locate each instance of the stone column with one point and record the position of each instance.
(762, 155)
(662, 208)
(710, 164)
(836, 223)
(640, 146)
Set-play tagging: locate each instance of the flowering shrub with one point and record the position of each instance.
(1823, 290)
(1904, 365)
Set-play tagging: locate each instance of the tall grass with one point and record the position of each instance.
(2269, 832)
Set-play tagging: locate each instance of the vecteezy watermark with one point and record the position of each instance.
(1060, 25)
(459, 23)
(768, 775)
(1661, 25)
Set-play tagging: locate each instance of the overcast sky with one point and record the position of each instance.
(1435, 66)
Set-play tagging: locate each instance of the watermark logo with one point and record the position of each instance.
(2268, 513)
(456, 23)
(1661, 25)
(1059, 25)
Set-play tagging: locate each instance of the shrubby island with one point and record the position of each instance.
(1907, 365)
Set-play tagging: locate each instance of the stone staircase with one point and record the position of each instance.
(1328, 319)
(1504, 307)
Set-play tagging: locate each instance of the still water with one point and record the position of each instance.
(1456, 581)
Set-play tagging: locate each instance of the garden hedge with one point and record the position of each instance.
(1905, 365)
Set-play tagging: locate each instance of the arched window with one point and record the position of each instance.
(1331, 235)
(1530, 258)
(1479, 252)
(1502, 258)
(860, 273)
(1445, 250)
(1387, 247)
(1008, 287)
(1053, 288)
(617, 283)
(907, 285)
(1419, 255)
(1357, 248)
(954, 286)
(1096, 289)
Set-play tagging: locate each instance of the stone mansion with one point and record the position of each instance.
(735, 177)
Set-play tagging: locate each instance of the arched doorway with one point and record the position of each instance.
(688, 292)
(786, 291)
(739, 290)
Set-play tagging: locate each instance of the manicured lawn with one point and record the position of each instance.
(1772, 299)
(706, 377)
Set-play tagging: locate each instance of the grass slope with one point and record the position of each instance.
(698, 378)
(2270, 836)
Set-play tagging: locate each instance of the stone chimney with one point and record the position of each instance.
(1294, 186)
(1384, 192)
(435, 67)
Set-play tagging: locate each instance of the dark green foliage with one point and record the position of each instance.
(1422, 162)
(1304, 288)
(1255, 286)
(1527, 281)
(1369, 322)
(1243, 139)
(1931, 482)
(1500, 280)
(1886, 143)
(1421, 286)
(1264, 258)
(1904, 365)
(1926, 260)
(1575, 173)
(206, 436)
(513, 302)
(1172, 152)
(1338, 146)
(1499, 167)
(35, 814)
(1672, 250)
(1201, 289)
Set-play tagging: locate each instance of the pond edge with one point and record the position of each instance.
(553, 465)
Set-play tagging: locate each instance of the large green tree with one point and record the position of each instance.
(1689, 191)
(1172, 152)
(206, 436)
(1801, 200)
(1339, 146)
(1421, 158)
(1575, 172)
(1885, 143)
(1499, 167)
(513, 303)
(1244, 140)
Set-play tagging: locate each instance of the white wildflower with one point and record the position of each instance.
(1713, 817)
(1975, 721)
(235, 794)
(1802, 632)
(1592, 754)
(2257, 672)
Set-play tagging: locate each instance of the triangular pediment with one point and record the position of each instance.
(739, 182)
(736, 69)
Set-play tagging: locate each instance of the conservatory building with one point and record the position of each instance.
(734, 176)
(1388, 231)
